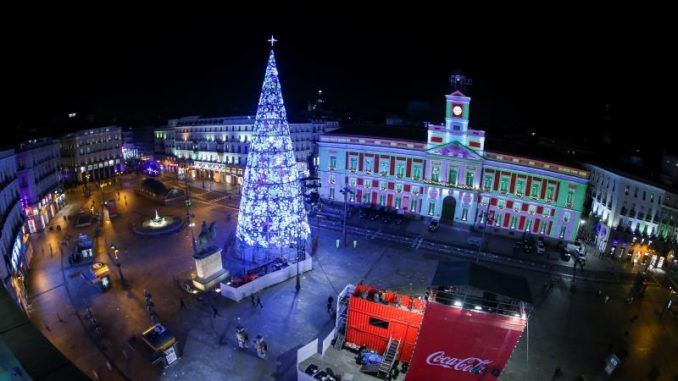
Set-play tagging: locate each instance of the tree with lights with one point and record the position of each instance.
(272, 213)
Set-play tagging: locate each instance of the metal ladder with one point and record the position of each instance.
(342, 320)
(389, 357)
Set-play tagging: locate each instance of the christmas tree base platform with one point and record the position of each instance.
(209, 268)
(255, 279)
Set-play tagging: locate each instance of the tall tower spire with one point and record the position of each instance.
(272, 213)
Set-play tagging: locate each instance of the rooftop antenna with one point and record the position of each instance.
(460, 82)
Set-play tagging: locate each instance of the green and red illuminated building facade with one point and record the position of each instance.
(443, 172)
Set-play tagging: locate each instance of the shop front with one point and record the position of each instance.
(219, 173)
(22, 251)
(39, 215)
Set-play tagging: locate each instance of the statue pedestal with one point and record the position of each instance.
(209, 268)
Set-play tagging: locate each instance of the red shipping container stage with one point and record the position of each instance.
(372, 324)
(465, 345)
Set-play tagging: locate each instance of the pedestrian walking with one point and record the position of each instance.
(261, 347)
(258, 300)
(254, 304)
(330, 301)
(557, 373)
(215, 312)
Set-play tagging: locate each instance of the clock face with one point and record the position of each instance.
(456, 110)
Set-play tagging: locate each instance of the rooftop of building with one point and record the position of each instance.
(532, 155)
(33, 352)
(417, 134)
(36, 143)
(92, 131)
(4, 153)
(200, 120)
(638, 172)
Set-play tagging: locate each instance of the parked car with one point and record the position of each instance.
(474, 241)
(375, 215)
(398, 218)
(434, 225)
(528, 247)
(576, 248)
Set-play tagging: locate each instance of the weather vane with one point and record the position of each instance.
(272, 40)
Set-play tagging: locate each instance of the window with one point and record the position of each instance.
(354, 163)
(514, 220)
(469, 177)
(400, 172)
(331, 193)
(417, 172)
(366, 198)
(503, 184)
(383, 166)
(487, 182)
(636, 193)
(351, 182)
(520, 187)
(528, 224)
(452, 176)
(435, 173)
(413, 205)
(399, 188)
(534, 192)
(382, 199)
(464, 214)
(549, 192)
(332, 179)
(378, 323)
(562, 231)
(431, 208)
(570, 198)
(626, 190)
(644, 195)
(382, 185)
(369, 164)
(397, 203)
(652, 197)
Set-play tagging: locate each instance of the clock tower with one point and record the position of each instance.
(456, 122)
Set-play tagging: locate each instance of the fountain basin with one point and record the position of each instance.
(157, 225)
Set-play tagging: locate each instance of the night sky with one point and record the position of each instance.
(555, 78)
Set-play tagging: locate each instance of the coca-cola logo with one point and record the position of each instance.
(473, 365)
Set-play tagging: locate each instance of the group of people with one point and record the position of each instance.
(260, 345)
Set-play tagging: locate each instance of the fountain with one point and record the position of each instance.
(158, 225)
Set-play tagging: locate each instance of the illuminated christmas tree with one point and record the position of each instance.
(272, 213)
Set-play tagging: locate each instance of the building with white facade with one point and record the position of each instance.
(38, 173)
(632, 215)
(91, 155)
(445, 172)
(13, 242)
(216, 148)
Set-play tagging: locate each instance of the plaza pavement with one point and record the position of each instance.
(570, 330)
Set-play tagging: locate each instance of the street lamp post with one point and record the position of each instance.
(116, 257)
(189, 216)
(301, 255)
(482, 237)
(346, 191)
